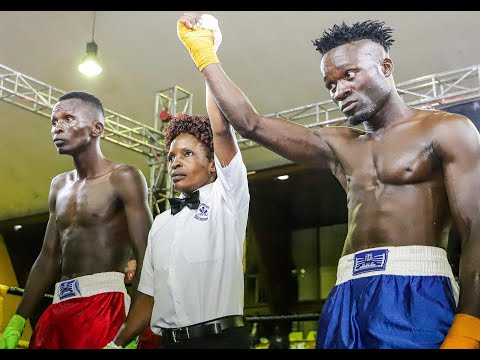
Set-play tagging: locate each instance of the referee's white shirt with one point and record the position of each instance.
(193, 261)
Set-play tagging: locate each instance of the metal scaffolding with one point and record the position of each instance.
(172, 100)
(36, 96)
(28, 93)
(424, 92)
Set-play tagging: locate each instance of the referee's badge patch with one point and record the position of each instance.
(202, 212)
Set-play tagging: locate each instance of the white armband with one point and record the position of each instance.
(112, 345)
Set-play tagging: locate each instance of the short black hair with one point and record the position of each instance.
(86, 97)
(342, 34)
(196, 125)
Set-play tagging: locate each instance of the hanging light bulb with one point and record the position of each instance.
(90, 65)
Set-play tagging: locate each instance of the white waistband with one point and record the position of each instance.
(401, 260)
(89, 285)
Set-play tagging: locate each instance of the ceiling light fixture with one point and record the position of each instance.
(89, 65)
(282, 177)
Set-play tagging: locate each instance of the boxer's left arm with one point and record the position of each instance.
(458, 146)
(199, 43)
(132, 188)
(289, 139)
(223, 134)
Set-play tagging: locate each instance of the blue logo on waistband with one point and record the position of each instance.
(69, 288)
(372, 260)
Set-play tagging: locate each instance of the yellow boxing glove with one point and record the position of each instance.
(463, 334)
(199, 43)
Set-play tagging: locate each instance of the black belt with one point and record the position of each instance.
(211, 327)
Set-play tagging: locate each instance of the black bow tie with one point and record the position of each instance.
(192, 201)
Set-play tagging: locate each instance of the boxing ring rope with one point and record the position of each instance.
(12, 290)
(4, 289)
(18, 291)
(292, 317)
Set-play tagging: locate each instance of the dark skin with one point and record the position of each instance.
(190, 169)
(99, 212)
(408, 177)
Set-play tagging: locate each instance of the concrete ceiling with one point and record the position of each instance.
(268, 54)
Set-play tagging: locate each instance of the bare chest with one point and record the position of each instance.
(86, 202)
(402, 162)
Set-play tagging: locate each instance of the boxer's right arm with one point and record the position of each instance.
(42, 274)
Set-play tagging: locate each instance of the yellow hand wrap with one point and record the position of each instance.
(199, 43)
(13, 332)
(463, 334)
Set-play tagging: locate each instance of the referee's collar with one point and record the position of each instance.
(204, 191)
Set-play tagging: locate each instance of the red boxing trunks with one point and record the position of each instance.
(86, 313)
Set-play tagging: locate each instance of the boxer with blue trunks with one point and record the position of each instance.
(391, 297)
(410, 175)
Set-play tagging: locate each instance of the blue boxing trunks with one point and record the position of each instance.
(390, 298)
